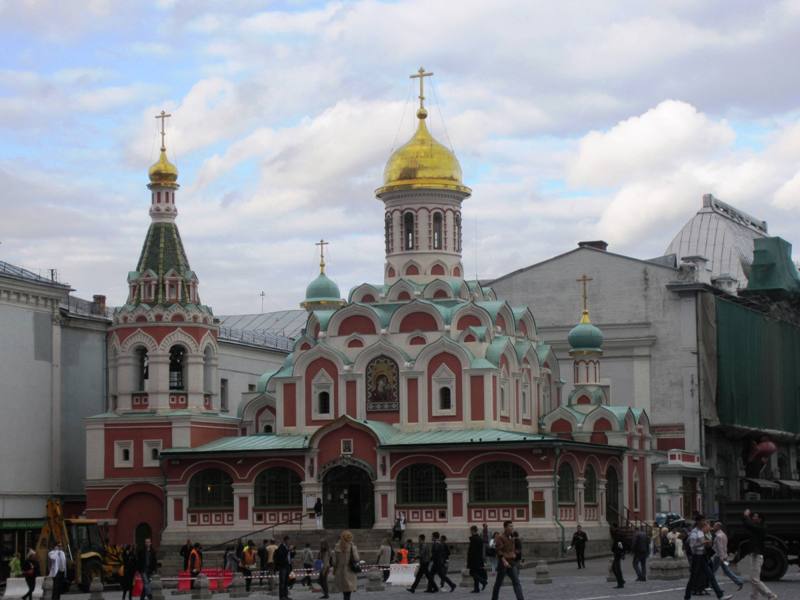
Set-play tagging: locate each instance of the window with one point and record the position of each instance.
(177, 355)
(421, 484)
(267, 428)
(443, 383)
(525, 409)
(503, 399)
(251, 387)
(498, 483)
(437, 231)
(590, 485)
(123, 454)
(322, 390)
(278, 486)
(151, 453)
(388, 233)
(566, 484)
(208, 370)
(223, 395)
(445, 402)
(346, 447)
(408, 230)
(636, 490)
(212, 488)
(324, 403)
(142, 367)
(457, 233)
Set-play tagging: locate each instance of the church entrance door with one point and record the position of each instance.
(348, 499)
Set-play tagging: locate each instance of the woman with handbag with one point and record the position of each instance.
(30, 570)
(346, 564)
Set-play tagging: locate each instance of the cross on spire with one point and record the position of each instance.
(163, 116)
(322, 243)
(585, 279)
(421, 75)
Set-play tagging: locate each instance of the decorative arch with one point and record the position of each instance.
(471, 315)
(302, 361)
(438, 269)
(411, 268)
(436, 288)
(357, 293)
(443, 345)
(179, 336)
(400, 323)
(397, 288)
(590, 490)
(139, 338)
(354, 318)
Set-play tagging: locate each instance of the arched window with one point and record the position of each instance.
(421, 484)
(212, 488)
(445, 402)
(208, 376)
(636, 490)
(437, 231)
(388, 233)
(566, 484)
(177, 355)
(498, 482)
(267, 428)
(142, 367)
(278, 486)
(457, 233)
(324, 403)
(408, 231)
(590, 485)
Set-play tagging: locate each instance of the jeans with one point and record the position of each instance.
(717, 562)
(758, 587)
(700, 565)
(283, 582)
(146, 593)
(640, 566)
(513, 573)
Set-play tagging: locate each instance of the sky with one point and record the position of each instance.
(572, 121)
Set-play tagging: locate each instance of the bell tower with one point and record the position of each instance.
(422, 193)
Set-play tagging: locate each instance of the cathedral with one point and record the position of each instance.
(423, 395)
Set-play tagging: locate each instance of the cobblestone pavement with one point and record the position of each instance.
(568, 584)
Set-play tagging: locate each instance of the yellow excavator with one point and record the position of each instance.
(88, 554)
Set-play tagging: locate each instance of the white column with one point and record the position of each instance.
(457, 499)
(579, 500)
(126, 380)
(194, 380)
(384, 489)
(158, 380)
(243, 490)
(601, 506)
(543, 484)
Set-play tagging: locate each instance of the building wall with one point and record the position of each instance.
(650, 332)
(242, 365)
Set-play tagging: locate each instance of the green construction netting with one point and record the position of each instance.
(758, 380)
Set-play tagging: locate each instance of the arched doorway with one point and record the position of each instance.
(143, 532)
(348, 498)
(612, 496)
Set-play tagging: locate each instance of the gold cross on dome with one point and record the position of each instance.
(322, 243)
(585, 279)
(421, 75)
(163, 116)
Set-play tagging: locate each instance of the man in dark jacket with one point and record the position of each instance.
(475, 560)
(641, 549)
(758, 533)
(579, 539)
(146, 565)
(283, 564)
(618, 550)
(186, 550)
(439, 553)
(424, 557)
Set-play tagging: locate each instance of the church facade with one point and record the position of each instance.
(424, 395)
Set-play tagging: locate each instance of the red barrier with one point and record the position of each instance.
(218, 579)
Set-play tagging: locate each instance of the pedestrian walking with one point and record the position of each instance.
(186, 550)
(384, 558)
(640, 548)
(477, 569)
(754, 523)
(271, 548)
(318, 512)
(128, 559)
(248, 563)
(283, 564)
(262, 561)
(325, 562)
(618, 552)
(579, 539)
(146, 566)
(196, 562)
(506, 561)
(58, 569)
(491, 552)
(699, 545)
(30, 571)
(308, 564)
(424, 558)
(439, 554)
(346, 564)
(720, 557)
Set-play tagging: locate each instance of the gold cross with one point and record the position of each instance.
(584, 280)
(322, 244)
(421, 75)
(163, 116)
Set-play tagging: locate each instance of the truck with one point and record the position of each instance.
(88, 554)
(782, 521)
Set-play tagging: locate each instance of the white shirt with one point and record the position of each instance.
(58, 562)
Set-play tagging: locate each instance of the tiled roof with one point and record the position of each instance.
(284, 323)
(259, 442)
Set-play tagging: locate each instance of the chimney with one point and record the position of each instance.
(597, 245)
(99, 304)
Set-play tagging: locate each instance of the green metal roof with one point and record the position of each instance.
(260, 442)
(323, 288)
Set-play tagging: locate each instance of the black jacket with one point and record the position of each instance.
(641, 544)
(475, 553)
(618, 550)
(579, 539)
(437, 553)
(282, 557)
(146, 562)
(757, 533)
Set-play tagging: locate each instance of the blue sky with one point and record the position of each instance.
(571, 121)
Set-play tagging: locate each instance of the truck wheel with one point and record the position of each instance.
(775, 564)
(91, 568)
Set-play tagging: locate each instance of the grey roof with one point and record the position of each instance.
(284, 323)
(723, 235)
(15, 272)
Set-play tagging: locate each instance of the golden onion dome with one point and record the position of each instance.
(163, 173)
(422, 163)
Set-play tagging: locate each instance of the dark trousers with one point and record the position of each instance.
(640, 566)
(579, 555)
(307, 579)
(479, 578)
(701, 568)
(440, 571)
(58, 585)
(513, 574)
(283, 582)
(31, 581)
(323, 582)
(616, 568)
(248, 578)
(423, 571)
